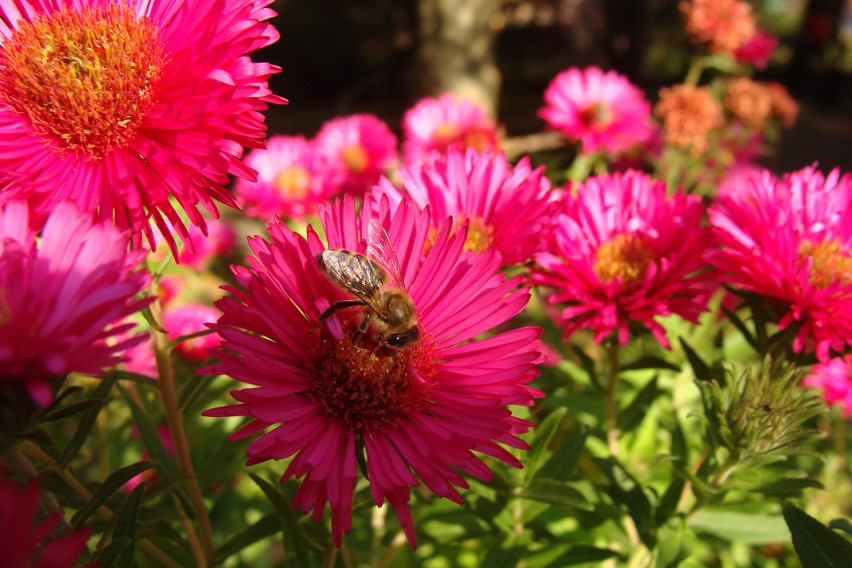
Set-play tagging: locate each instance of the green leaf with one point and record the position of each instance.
(563, 462)
(555, 493)
(700, 369)
(150, 437)
(543, 435)
(72, 409)
(502, 558)
(788, 487)
(669, 500)
(588, 364)
(120, 552)
(267, 526)
(816, 545)
(625, 490)
(111, 484)
(296, 540)
(649, 362)
(757, 528)
(582, 554)
(633, 414)
(87, 420)
(742, 328)
(149, 317)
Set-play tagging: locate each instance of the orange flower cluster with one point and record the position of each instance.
(752, 102)
(724, 25)
(784, 106)
(688, 114)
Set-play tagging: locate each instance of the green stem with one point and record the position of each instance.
(610, 407)
(168, 393)
(694, 72)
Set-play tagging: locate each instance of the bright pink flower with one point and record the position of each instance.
(834, 379)
(187, 319)
(757, 50)
(288, 182)
(603, 111)
(61, 296)
(791, 239)
(623, 252)
(147, 105)
(353, 152)
(507, 209)
(437, 124)
(25, 541)
(322, 392)
(203, 249)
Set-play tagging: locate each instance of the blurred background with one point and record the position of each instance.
(380, 56)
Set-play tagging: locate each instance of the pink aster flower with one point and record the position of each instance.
(61, 295)
(624, 252)
(24, 540)
(187, 319)
(834, 379)
(144, 108)
(508, 209)
(603, 111)
(791, 239)
(203, 249)
(288, 182)
(418, 401)
(353, 152)
(436, 124)
(757, 50)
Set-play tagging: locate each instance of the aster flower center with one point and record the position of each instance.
(625, 257)
(596, 114)
(444, 135)
(355, 157)
(293, 182)
(830, 262)
(367, 389)
(478, 139)
(84, 78)
(480, 235)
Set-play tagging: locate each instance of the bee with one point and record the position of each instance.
(376, 283)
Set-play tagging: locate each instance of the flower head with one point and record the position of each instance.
(354, 151)
(436, 124)
(187, 319)
(61, 296)
(623, 252)
(790, 239)
(784, 106)
(25, 540)
(603, 111)
(749, 101)
(834, 379)
(723, 25)
(326, 387)
(506, 209)
(289, 183)
(757, 50)
(688, 114)
(143, 107)
(202, 249)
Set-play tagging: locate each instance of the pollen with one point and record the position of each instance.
(480, 235)
(293, 182)
(355, 157)
(829, 262)
(596, 115)
(367, 389)
(85, 78)
(625, 257)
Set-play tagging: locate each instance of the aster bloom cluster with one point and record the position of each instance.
(723, 25)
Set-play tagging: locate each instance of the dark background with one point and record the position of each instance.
(345, 56)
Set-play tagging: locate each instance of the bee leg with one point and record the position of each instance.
(342, 304)
(365, 323)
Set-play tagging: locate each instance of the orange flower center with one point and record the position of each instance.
(365, 389)
(355, 157)
(596, 114)
(480, 236)
(479, 139)
(829, 262)
(293, 182)
(84, 78)
(444, 135)
(625, 257)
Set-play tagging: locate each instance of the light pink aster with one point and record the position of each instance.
(790, 239)
(187, 319)
(320, 395)
(507, 209)
(624, 252)
(353, 152)
(289, 183)
(24, 540)
(434, 125)
(62, 296)
(605, 112)
(834, 379)
(140, 109)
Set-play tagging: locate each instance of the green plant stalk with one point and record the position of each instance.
(168, 393)
(694, 72)
(610, 407)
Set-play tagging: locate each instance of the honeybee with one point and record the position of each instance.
(376, 283)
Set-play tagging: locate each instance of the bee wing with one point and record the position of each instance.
(380, 249)
(353, 272)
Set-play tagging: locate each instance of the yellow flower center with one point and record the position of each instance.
(293, 182)
(625, 257)
(355, 157)
(83, 78)
(366, 389)
(829, 262)
(480, 236)
(596, 114)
